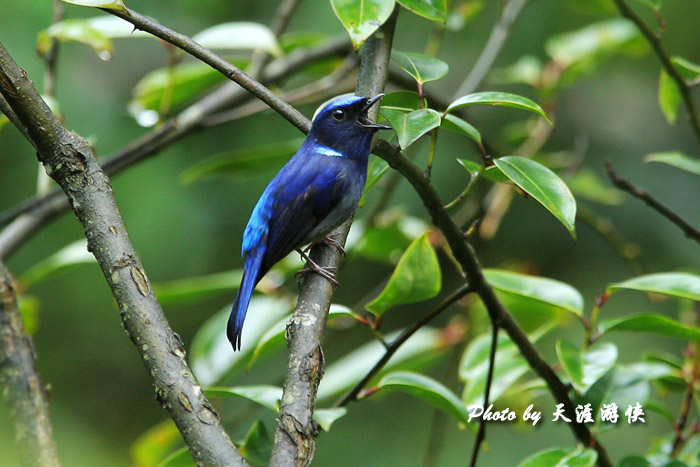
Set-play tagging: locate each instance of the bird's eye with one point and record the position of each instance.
(338, 114)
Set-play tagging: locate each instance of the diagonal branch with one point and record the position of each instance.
(625, 185)
(41, 210)
(295, 436)
(672, 71)
(464, 254)
(26, 397)
(70, 161)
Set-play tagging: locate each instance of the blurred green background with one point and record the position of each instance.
(101, 398)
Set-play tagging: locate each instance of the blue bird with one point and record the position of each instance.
(314, 193)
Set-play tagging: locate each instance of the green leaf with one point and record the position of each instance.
(96, 32)
(435, 10)
(74, 254)
(29, 306)
(242, 161)
(673, 284)
(653, 324)
(429, 390)
(155, 444)
(470, 166)
(592, 42)
(241, 35)
(528, 70)
(585, 368)
(362, 17)
(505, 99)
(401, 100)
(412, 125)
(265, 395)
(178, 85)
(587, 184)
(109, 4)
(210, 354)
(377, 168)
(257, 445)
(543, 185)
(456, 124)
(417, 277)
(541, 289)
(347, 371)
(193, 289)
(180, 458)
(423, 68)
(634, 460)
(326, 417)
(669, 97)
(676, 159)
(506, 373)
(686, 65)
(562, 457)
(273, 341)
(383, 243)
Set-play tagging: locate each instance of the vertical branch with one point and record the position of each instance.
(71, 162)
(24, 392)
(295, 436)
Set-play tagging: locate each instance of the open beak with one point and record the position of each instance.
(364, 120)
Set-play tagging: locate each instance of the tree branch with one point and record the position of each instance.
(70, 161)
(464, 254)
(295, 436)
(672, 71)
(24, 392)
(652, 202)
(493, 47)
(399, 341)
(41, 210)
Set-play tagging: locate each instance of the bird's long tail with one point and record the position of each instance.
(251, 271)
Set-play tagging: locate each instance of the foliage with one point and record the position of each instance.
(409, 267)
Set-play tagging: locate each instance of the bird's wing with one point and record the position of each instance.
(300, 200)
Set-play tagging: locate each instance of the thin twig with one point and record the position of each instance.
(70, 161)
(493, 48)
(399, 341)
(689, 231)
(464, 254)
(27, 399)
(481, 435)
(655, 42)
(42, 210)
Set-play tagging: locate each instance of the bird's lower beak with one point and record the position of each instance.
(364, 120)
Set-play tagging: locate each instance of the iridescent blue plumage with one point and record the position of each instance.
(314, 193)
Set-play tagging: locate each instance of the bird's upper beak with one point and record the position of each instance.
(364, 120)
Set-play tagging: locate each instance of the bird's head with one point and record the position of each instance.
(344, 120)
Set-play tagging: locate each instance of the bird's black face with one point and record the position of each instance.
(346, 117)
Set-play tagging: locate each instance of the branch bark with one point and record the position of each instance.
(70, 161)
(295, 436)
(25, 394)
(464, 254)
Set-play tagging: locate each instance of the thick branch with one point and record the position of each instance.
(26, 396)
(295, 436)
(625, 185)
(672, 71)
(466, 257)
(70, 161)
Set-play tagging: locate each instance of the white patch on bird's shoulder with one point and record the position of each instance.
(326, 151)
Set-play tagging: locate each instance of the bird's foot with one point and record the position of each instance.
(325, 272)
(330, 241)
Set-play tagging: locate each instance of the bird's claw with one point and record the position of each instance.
(330, 241)
(323, 271)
